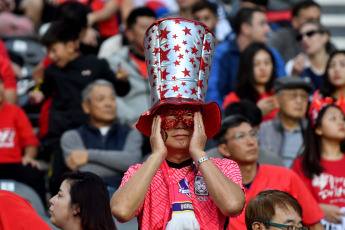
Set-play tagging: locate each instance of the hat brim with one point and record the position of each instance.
(211, 115)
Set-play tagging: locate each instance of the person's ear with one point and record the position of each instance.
(245, 28)
(72, 46)
(258, 226)
(294, 23)
(318, 131)
(224, 150)
(86, 107)
(76, 209)
(129, 35)
(325, 38)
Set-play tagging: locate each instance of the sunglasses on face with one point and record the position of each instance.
(309, 34)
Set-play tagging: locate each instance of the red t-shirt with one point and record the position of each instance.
(152, 210)
(329, 186)
(141, 64)
(17, 213)
(283, 179)
(7, 74)
(232, 97)
(3, 50)
(106, 28)
(16, 132)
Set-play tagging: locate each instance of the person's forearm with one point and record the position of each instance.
(10, 96)
(31, 151)
(226, 194)
(110, 8)
(128, 199)
(317, 226)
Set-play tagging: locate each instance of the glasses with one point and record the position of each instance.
(288, 227)
(240, 136)
(299, 37)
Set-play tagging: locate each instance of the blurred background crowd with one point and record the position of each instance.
(73, 83)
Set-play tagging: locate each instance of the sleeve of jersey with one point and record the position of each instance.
(130, 172)
(232, 171)
(7, 74)
(312, 212)
(25, 130)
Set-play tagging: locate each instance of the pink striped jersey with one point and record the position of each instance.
(152, 211)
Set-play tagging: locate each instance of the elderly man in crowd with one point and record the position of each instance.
(102, 146)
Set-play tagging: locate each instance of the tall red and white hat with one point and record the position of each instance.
(178, 54)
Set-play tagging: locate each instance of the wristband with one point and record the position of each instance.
(203, 159)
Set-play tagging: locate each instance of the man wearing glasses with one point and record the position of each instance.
(237, 141)
(274, 209)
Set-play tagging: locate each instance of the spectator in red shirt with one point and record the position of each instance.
(274, 208)
(17, 213)
(18, 147)
(237, 141)
(321, 164)
(179, 186)
(254, 80)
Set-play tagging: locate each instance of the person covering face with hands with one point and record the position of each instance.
(179, 186)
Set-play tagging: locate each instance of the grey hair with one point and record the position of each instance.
(85, 94)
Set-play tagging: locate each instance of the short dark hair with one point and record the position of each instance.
(247, 109)
(244, 15)
(88, 191)
(257, 2)
(205, 5)
(59, 32)
(262, 208)
(73, 13)
(139, 12)
(296, 9)
(229, 122)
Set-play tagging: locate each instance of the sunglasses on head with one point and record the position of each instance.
(299, 37)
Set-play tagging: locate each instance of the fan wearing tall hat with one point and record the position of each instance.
(179, 186)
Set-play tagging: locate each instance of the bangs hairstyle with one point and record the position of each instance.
(311, 154)
(88, 191)
(327, 88)
(262, 208)
(245, 80)
(60, 32)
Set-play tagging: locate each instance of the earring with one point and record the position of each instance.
(74, 213)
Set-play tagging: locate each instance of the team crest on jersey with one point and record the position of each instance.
(200, 186)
